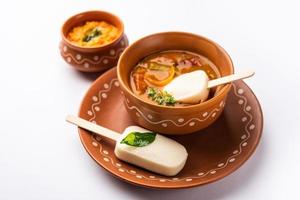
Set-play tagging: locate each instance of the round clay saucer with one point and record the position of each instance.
(214, 152)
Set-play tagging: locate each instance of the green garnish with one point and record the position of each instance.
(161, 97)
(92, 34)
(138, 139)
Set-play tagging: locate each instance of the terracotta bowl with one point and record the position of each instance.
(173, 120)
(92, 59)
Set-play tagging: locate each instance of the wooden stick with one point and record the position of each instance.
(99, 130)
(226, 79)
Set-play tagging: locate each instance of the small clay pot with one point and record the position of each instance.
(167, 119)
(92, 59)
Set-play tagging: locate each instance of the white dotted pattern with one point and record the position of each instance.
(244, 144)
(105, 152)
(106, 86)
(86, 65)
(95, 144)
(104, 95)
(240, 91)
(220, 165)
(78, 57)
(95, 98)
(252, 126)
(180, 120)
(96, 58)
(112, 52)
(118, 164)
(191, 123)
(117, 84)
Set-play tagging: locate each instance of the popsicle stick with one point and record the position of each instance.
(99, 130)
(226, 79)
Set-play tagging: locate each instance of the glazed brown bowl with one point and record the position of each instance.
(92, 59)
(166, 119)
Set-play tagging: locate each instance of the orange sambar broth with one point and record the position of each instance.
(159, 69)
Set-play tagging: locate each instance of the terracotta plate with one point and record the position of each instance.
(213, 152)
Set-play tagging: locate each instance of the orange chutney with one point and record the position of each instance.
(93, 34)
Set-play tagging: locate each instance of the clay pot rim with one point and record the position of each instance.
(92, 49)
(212, 101)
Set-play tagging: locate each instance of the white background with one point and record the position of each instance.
(41, 156)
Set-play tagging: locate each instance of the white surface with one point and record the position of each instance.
(45, 159)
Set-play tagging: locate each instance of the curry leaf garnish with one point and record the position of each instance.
(138, 139)
(161, 97)
(92, 34)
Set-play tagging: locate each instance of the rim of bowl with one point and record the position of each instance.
(205, 103)
(85, 13)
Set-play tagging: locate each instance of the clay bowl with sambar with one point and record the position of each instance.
(92, 41)
(172, 47)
